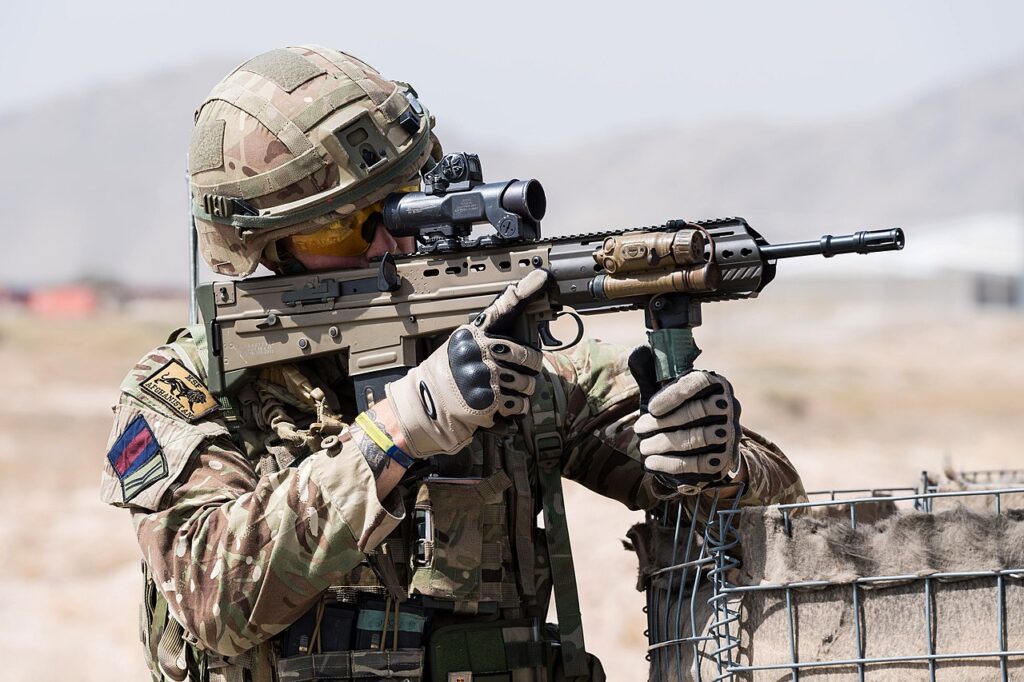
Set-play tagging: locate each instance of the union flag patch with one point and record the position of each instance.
(137, 459)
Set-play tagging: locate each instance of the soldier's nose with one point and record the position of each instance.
(382, 243)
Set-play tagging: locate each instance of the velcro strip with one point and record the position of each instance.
(206, 149)
(284, 67)
(327, 105)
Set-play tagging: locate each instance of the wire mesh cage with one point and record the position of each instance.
(1007, 477)
(901, 583)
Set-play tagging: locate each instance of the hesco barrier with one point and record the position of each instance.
(906, 583)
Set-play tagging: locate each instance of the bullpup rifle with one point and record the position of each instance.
(386, 318)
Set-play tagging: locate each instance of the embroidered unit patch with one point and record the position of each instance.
(137, 459)
(181, 390)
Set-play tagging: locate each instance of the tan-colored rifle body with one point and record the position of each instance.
(378, 330)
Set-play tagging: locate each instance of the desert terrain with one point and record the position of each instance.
(858, 395)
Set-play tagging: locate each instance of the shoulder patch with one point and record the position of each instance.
(178, 388)
(137, 459)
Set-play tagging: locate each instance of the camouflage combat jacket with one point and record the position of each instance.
(255, 520)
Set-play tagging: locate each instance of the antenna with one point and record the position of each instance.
(193, 247)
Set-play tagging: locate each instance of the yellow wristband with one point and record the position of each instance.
(383, 441)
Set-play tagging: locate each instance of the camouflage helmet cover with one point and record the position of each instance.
(292, 140)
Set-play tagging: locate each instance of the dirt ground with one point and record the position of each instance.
(856, 395)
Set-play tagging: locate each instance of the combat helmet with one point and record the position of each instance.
(293, 141)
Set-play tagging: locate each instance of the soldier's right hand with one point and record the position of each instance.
(480, 374)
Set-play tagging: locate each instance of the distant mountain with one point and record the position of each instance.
(93, 184)
(954, 152)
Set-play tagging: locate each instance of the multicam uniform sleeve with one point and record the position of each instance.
(237, 556)
(597, 402)
(598, 407)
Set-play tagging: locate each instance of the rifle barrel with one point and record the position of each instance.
(865, 241)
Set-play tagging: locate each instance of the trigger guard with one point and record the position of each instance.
(546, 338)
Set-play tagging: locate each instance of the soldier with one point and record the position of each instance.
(286, 537)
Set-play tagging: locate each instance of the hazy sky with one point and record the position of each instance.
(608, 65)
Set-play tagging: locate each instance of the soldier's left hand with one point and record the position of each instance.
(689, 429)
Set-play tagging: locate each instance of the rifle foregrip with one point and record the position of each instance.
(674, 352)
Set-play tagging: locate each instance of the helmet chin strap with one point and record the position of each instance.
(277, 257)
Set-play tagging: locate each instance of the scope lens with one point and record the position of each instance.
(525, 198)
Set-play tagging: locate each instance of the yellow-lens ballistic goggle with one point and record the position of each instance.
(348, 236)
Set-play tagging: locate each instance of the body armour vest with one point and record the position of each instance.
(457, 592)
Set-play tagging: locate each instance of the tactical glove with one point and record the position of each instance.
(689, 430)
(479, 375)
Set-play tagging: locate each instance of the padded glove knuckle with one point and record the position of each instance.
(471, 375)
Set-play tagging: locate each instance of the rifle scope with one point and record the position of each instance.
(409, 214)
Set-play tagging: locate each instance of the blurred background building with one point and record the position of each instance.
(803, 117)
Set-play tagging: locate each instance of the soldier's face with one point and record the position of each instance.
(382, 243)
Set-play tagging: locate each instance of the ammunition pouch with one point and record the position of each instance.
(354, 634)
(503, 651)
(461, 542)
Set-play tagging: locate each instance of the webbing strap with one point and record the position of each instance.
(268, 182)
(384, 567)
(264, 111)
(394, 106)
(328, 104)
(491, 555)
(231, 673)
(194, 354)
(171, 651)
(519, 655)
(523, 524)
(493, 487)
(307, 160)
(547, 443)
(325, 202)
(368, 664)
(354, 71)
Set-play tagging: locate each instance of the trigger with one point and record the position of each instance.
(546, 337)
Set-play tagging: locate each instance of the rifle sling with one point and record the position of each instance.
(548, 447)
